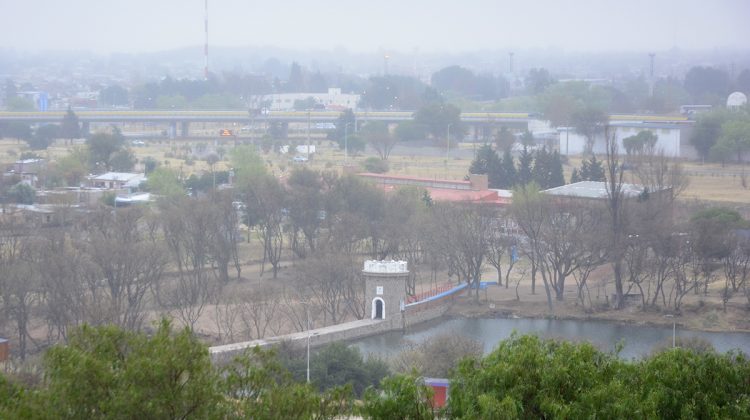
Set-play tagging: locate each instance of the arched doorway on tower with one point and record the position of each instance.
(378, 308)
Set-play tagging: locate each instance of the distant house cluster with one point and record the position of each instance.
(332, 100)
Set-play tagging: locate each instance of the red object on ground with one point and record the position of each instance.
(440, 389)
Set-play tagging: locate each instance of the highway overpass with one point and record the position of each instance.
(184, 118)
(284, 116)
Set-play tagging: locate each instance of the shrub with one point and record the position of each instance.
(375, 165)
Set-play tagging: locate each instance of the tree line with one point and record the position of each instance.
(106, 372)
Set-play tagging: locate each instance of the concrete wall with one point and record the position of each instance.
(413, 314)
(572, 143)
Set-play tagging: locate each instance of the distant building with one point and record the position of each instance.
(332, 100)
(475, 190)
(28, 170)
(117, 181)
(594, 190)
(672, 138)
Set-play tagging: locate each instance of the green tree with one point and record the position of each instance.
(574, 176)
(113, 95)
(378, 136)
(441, 120)
(102, 147)
(526, 377)
(296, 81)
(397, 92)
(556, 170)
(164, 181)
(589, 122)
(668, 96)
(22, 193)
(742, 83)
(106, 372)
(542, 172)
(487, 162)
(410, 130)
(525, 162)
(69, 128)
(707, 84)
(10, 90)
(345, 127)
(122, 160)
(592, 169)
(262, 388)
(508, 169)
(44, 136)
(537, 80)
(149, 164)
(247, 165)
(504, 139)
(338, 364)
(401, 397)
(735, 136)
(375, 165)
(305, 104)
(19, 104)
(73, 167)
(706, 132)
(16, 130)
(171, 102)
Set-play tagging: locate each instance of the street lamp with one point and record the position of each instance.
(447, 141)
(307, 315)
(308, 134)
(674, 330)
(346, 143)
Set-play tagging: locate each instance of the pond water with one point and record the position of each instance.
(637, 340)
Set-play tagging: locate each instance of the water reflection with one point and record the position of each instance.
(637, 340)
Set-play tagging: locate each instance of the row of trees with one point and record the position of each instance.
(722, 135)
(44, 135)
(169, 375)
(541, 166)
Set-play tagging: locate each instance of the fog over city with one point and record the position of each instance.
(358, 26)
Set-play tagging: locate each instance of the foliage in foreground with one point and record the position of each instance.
(526, 377)
(105, 372)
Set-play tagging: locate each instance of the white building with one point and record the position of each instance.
(333, 100)
(117, 180)
(669, 137)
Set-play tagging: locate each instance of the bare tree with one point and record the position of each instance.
(128, 258)
(465, 234)
(225, 318)
(259, 312)
(617, 212)
(189, 232)
(501, 244)
(331, 279)
(528, 211)
(266, 203)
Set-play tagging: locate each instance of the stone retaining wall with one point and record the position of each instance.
(412, 314)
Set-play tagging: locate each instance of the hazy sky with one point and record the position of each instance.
(362, 26)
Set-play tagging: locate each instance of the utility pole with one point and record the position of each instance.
(510, 62)
(385, 65)
(205, 46)
(308, 135)
(651, 73)
(447, 147)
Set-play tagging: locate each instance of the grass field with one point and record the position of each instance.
(708, 182)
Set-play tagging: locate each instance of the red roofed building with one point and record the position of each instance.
(474, 190)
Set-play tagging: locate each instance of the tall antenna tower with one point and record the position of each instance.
(205, 46)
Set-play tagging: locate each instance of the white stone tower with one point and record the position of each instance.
(385, 289)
